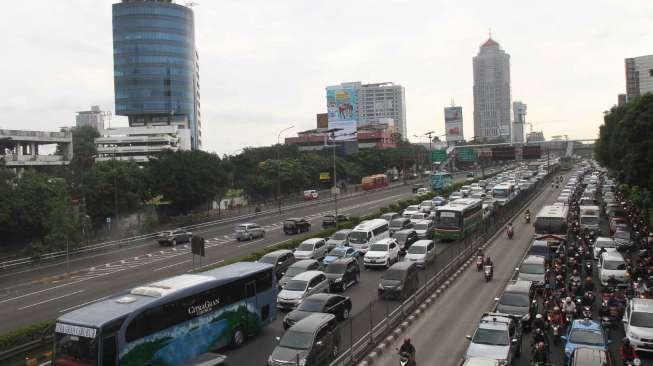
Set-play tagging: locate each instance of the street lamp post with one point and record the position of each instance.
(334, 190)
(279, 166)
(430, 148)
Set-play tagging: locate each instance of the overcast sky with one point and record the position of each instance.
(264, 64)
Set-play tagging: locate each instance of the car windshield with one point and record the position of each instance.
(421, 226)
(305, 247)
(604, 244)
(296, 340)
(335, 268)
(416, 249)
(589, 220)
(74, 350)
(359, 237)
(538, 250)
(397, 223)
(339, 236)
(296, 285)
(614, 265)
(241, 228)
(268, 259)
(585, 336)
(412, 208)
(500, 192)
(311, 305)
(294, 271)
(639, 319)
(379, 248)
(393, 275)
(492, 337)
(514, 299)
(532, 268)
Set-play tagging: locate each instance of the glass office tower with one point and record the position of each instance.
(156, 72)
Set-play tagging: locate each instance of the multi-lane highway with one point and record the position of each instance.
(34, 294)
(439, 335)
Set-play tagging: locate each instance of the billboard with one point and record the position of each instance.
(342, 110)
(453, 123)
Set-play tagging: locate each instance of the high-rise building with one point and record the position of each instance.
(156, 71)
(519, 110)
(491, 92)
(95, 118)
(639, 76)
(373, 103)
(621, 100)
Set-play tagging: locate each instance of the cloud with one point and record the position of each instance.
(264, 65)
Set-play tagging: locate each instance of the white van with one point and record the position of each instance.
(367, 233)
(589, 218)
(421, 252)
(638, 323)
(611, 264)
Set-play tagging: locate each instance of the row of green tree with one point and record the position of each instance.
(625, 146)
(56, 206)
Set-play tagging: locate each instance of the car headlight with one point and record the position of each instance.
(302, 362)
(339, 279)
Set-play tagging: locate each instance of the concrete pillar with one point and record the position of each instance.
(32, 148)
(19, 149)
(36, 149)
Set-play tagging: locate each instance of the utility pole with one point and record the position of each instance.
(334, 190)
(279, 166)
(430, 148)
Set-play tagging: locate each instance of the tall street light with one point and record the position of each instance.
(279, 165)
(334, 190)
(430, 148)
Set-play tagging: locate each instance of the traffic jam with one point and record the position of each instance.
(582, 293)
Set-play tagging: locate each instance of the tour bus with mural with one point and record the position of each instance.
(171, 321)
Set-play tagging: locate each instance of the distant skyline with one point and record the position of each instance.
(265, 65)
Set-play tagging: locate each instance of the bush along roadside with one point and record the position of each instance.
(21, 336)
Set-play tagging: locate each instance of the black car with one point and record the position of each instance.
(405, 238)
(342, 273)
(296, 225)
(399, 224)
(329, 220)
(281, 259)
(312, 341)
(399, 281)
(335, 304)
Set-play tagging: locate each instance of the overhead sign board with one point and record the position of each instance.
(439, 155)
(466, 154)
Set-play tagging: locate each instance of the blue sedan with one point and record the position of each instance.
(341, 252)
(584, 333)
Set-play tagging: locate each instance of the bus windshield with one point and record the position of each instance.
(448, 219)
(75, 350)
(500, 193)
(359, 237)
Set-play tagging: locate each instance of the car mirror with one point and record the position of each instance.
(514, 341)
(496, 299)
(277, 338)
(516, 269)
(468, 337)
(310, 288)
(319, 343)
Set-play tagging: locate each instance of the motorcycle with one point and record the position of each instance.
(479, 263)
(588, 268)
(487, 271)
(510, 231)
(405, 359)
(528, 218)
(635, 362)
(587, 312)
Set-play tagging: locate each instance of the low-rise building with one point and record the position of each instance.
(140, 143)
(20, 149)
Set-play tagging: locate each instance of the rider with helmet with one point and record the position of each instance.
(408, 348)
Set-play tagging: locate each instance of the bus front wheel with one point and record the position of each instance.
(238, 338)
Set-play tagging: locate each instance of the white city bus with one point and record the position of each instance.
(504, 193)
(552, 220)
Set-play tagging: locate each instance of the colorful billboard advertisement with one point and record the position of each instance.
(453, 123)
(342, 109)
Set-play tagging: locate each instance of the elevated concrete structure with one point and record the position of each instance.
(140, 143)
(19, 148)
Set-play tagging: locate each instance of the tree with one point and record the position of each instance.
(188, 179)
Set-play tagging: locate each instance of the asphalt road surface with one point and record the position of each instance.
(40, 293)
(439, 335)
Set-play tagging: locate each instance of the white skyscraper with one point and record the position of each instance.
(639, 76)
(492, 92)
(519, 110)
(95, 118)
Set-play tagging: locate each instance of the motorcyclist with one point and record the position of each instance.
(539, 336)
(527, 215)
(568, 307)
(488, 262)
(509, 230)
(408, 347)
(539, 322)
(589, 284)
(540, 356)
(641, 286)
(555, 317)
(612, 281)
(601, 251)
(627, 351)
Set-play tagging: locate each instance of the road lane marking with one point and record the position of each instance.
(172, 265)
(39, 291)
(250, 243)
(274, 244)
(86, 303)
(206, 265)
(52, 299)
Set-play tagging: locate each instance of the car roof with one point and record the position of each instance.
(385, 241)
(323, 296)
(405, 231)
(307, 276)
(422, 242)
(304, 263)
(613, 255)
(480, 361)
(519, 286)
(402, 265)
(312, 240)
(537, 243)
(312, 322)
(642, 305)
(343, 260)
(533, 259)
(425, 221)
(277, 253)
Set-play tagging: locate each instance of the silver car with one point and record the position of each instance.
(532, 269)
(497, 337)
(249, 231)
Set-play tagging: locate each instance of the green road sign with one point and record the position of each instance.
(466, 154)
(439, 155)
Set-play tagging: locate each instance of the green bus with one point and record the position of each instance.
(458, 218)
(169, 322)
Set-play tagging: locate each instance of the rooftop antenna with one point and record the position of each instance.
(453, 103)
(490, 32)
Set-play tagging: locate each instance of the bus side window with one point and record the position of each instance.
(250, 289)
(109, 350)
